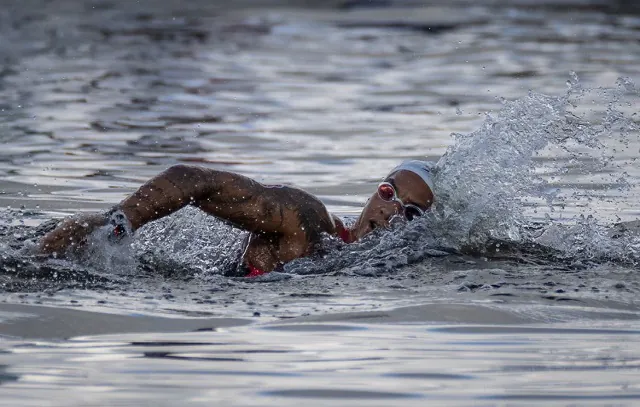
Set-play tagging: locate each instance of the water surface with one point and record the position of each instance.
(517, 291)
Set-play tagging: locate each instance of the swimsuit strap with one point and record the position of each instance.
(255, 272)
(345, 236)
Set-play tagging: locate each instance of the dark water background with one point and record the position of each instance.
(517, 291)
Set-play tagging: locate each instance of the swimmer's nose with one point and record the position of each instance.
(389, 210)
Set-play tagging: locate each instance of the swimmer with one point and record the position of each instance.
(285, 223)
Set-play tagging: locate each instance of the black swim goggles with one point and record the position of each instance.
(387, 192)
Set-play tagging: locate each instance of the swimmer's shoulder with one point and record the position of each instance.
(306, 208)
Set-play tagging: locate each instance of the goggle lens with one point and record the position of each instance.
(386, 192)
(411, 212)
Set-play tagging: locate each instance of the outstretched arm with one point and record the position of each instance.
(229, 196)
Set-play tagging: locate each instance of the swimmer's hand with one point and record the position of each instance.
(71, 233)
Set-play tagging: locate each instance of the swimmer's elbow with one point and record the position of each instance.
(190, 181)
(181, 171)
(184, 174)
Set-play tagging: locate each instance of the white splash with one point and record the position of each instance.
(485, 178)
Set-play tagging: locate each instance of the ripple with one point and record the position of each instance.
(430, 376)
(562, 397)
(313, 327)
(340, 394)
(533, 330)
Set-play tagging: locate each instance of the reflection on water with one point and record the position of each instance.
(355, 364)
(98, 99)
(97, 96)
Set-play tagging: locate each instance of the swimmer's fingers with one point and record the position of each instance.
(70, 233)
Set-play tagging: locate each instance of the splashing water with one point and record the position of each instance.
(485, 177)
(186, 243)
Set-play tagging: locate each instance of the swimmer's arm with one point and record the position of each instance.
(231, 197)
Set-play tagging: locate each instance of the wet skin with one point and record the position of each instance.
(410, 188)
(285, 222)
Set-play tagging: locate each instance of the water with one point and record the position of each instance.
(327, 363)
(516, 289)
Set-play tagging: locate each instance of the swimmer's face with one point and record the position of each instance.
(410, 189)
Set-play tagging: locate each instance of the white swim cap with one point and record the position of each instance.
(424, 169)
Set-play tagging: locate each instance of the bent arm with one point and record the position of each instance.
(232, 197)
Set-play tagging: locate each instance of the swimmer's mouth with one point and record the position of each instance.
(372, 225)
